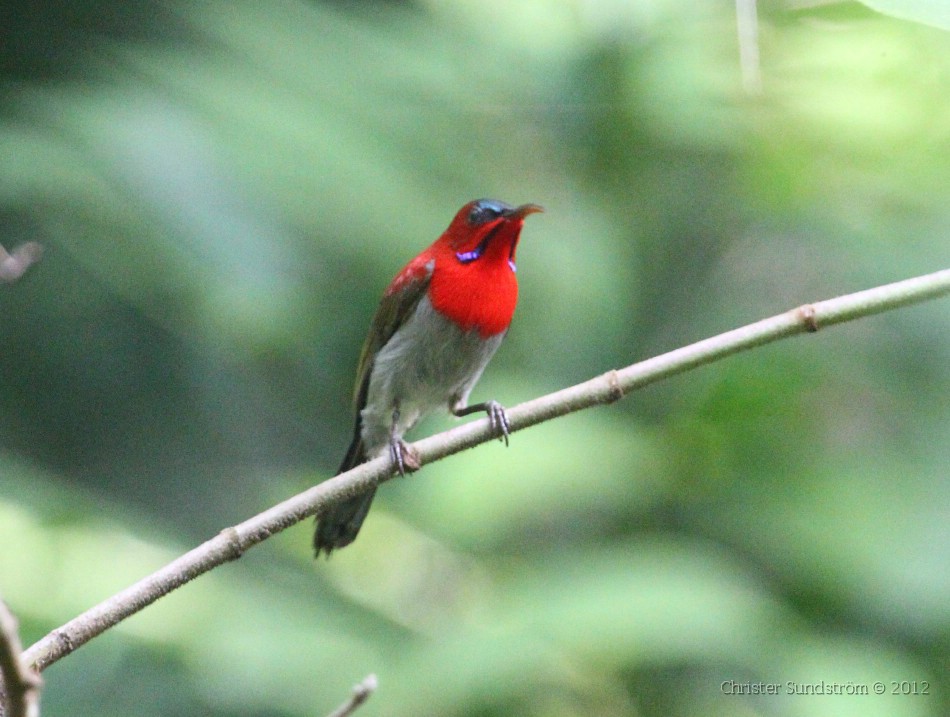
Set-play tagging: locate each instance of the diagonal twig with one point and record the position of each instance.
(609, 387)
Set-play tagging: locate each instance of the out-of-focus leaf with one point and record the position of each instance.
(928, 12)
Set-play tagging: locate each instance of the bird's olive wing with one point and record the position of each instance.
(396, 306)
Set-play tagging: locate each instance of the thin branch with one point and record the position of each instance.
(14, 264)
(747, 25)
(19, 687)
(611, 386)
(361, 693)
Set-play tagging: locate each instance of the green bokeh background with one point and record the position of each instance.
(224, 188)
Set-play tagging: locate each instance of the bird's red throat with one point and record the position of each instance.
(480, 295)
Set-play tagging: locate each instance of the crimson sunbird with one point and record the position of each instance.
(440, 321)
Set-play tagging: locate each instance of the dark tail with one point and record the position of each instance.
(339, 524)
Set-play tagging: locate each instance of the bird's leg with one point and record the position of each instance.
(497, 417)
(404, 458)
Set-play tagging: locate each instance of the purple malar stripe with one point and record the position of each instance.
(467, 257)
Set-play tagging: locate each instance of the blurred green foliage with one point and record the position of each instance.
(223, 189)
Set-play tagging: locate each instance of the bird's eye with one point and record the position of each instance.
(486, 210)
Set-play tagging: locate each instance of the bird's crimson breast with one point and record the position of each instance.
(478, 297)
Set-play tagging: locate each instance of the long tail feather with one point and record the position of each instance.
(339, 525)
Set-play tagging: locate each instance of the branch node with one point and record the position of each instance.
(614, 389)
(808, 316)
(234, 548)
(64, 639)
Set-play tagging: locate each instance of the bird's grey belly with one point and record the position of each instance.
(427, 363)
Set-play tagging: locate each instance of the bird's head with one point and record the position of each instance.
(486, 231)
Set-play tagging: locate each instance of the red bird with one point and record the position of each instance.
(438, 324)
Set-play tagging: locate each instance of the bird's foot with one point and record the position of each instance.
(497, 417)
(405, 458)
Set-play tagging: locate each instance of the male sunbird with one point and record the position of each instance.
(440, 321)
